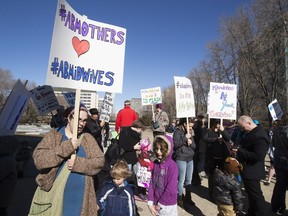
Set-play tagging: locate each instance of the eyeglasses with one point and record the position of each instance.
(84, 121)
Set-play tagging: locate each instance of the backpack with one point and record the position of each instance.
(113, 153)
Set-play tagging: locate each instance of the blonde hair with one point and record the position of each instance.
(120, 170)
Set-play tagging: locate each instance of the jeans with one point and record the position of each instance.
(185, 170)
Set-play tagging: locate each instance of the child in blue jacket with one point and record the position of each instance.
(116, 197)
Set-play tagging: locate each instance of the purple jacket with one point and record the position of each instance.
(163, 185)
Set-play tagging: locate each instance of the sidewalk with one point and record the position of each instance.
(26, 186)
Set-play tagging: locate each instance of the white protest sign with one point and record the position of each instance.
(13, 109)
(107, 106)
(222, 101)
(185, 106)
(151, 96)
(44, 99)
(275, 110)
(85, 54)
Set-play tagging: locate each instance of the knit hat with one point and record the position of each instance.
(145, 144)
(159, 105)
(68, 111)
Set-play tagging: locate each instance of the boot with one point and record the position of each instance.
(180, 201)
(188, 199)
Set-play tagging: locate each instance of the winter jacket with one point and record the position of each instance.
(127, 139)
(163, 121)
(182, 151)
(217, 147)
(125, 117)
(93, 127)
(227, 190)
(280, 142)
(116, 201)
(252, 153)
(163, 184)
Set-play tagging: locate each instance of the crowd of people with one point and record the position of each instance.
(181, 154)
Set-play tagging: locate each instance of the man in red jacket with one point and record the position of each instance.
(125, 116)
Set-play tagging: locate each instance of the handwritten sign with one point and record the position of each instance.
(185, 106)
(143, 176)
(85, 54)
(13, 109)
(107, 106)
(222, 101)
(44, 99)
(151, 96)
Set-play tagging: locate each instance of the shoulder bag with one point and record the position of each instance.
(155, 124)
(46, 203)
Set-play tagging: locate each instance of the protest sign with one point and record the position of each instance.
(107, 106)
(151, 96)
(44, 99)
(13, 109)
(275, 110)
(222, 101)
(185, 106)
(85, 54)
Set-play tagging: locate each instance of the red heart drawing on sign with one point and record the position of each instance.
(80, 47)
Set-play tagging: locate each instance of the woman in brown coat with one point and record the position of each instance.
(56, 147)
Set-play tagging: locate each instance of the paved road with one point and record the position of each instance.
(26, 186)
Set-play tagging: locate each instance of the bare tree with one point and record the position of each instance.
(7, 83)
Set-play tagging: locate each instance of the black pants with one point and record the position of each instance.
(256, 199)
(279, 192)
(200, 162)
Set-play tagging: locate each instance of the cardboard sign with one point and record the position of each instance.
(222, 101)
(85, 54)
(185, 106)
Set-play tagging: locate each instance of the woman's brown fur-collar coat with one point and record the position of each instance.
(50, 153)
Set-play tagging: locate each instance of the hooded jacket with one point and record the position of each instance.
(163, 185)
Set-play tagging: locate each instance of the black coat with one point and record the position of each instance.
(127, 139)
(252, 153)
(217, 147)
